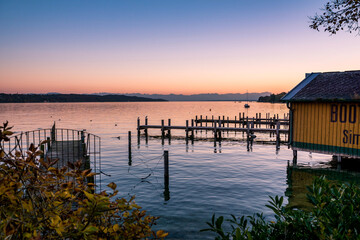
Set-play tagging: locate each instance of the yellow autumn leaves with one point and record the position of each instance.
(40, 201)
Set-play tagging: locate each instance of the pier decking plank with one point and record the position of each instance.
(66, 151)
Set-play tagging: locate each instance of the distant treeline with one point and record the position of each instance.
(34, 98)
(273, 98)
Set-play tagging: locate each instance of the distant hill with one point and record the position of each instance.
(204, 97)
(273, 98)
(33, 98)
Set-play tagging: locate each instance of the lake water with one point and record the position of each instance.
(203, 180)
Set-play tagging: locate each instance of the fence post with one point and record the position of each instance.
(48, 143)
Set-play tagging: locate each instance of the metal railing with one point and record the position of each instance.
(67, 145)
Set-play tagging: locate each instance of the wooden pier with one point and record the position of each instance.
(68, 151)
(219, 125)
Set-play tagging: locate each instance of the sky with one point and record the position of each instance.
(165, 46)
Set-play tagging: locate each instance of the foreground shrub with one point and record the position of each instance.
(39, 201)
(335, 215)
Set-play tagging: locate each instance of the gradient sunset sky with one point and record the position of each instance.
(165, 46)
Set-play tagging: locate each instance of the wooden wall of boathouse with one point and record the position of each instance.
(326, 127)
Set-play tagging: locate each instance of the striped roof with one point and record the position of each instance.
(327, 86)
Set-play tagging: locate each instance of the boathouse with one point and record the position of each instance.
(325, 114)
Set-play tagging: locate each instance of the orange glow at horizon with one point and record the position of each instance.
(166, 53)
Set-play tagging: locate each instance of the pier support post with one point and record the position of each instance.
(138, 132)
(248, 136)
(227, 125)
(129, 144)
(146, 130)
(278, 135)
(166, 176)
(187, 132)
(162, 132)
(138, 126)
(192, 131)
(219, 131)
(294, 157)
(169, 129)
(215, 133)
(196, 122)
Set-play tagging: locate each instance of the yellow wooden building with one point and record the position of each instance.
(325, 113)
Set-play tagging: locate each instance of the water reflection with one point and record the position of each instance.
(301, 176)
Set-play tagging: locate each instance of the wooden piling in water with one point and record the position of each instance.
(169, 130)
(138, 126)
(166, 176)
(278, 135)
(219, 132)
(162, 132)
(192, 131)
(294, 157)
(146, 130)
(222, 125)
(187, 132)
(129, 144)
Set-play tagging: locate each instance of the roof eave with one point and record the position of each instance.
(288, 97)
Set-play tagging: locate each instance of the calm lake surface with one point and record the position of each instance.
(203, 179)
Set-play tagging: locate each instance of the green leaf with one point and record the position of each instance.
(219, 222)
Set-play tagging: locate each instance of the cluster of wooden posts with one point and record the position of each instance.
(247, 125)
(219, 125)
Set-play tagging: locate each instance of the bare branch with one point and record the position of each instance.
(338, 15)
